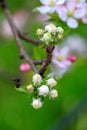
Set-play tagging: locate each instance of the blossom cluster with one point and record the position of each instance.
(50, 34)
(41, 88)
(69, 11)
(61, 60)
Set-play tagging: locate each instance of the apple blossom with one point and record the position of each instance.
(70, 13)
(60, 57)
(43, 90)
(47, 38)
(37, 79)
(37, 103)
(60, 30)
(51, 28)
(84, 19)
(39, 32)
(49, 6)
(51, 34)
(51, 82)
(53, 93)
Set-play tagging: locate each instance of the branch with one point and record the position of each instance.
(28, 39)
(16, 36)
(38, 62)
(49, 50)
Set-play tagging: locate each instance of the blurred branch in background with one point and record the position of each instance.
(16, 36)
(70, 118)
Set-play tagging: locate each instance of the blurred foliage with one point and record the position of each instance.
(16, 113)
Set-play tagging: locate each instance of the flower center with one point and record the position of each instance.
(51, 3)
(70, 12)
(60, 58)
(78, 1)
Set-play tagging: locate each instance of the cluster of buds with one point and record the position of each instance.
(50, 34)
(40, 88)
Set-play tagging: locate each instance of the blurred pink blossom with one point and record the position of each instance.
(84, 19)
(20, 18)
(62, 59)
(71, 12)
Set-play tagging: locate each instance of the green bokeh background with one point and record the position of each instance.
(16, 113)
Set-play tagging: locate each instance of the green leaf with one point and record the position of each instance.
(21, 90)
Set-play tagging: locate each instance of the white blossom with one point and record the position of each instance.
(37, 103)
(60, 36)
(71, 12)
(51, 82)
(46, 38)
(60, 30)
(37, 79)
(53, 93)
(43, 90)
(39, 32)
(51, 28)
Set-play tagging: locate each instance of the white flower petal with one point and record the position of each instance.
(52, 9)
(70, 4)
(44, 9)
(45, 2)
(67, 62)
(62, 12)
(79, 13)
(61, 1)
(72, 23)
(61, 65)
(84, 20)
(64, 51)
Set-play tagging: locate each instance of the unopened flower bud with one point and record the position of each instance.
(46, 38)
(51, 28)
(30, 88)
(72, 58)
(60, 36)
(43, 90)
(39, 32)
(53, 93)
(37, 79)
(51, 82)
(25, 67)
(60, 30)
(37, 103)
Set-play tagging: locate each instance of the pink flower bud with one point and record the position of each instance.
(24, 67)
(72, 58)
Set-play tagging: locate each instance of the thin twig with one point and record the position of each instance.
(49, 50)
(28, 39)
(23, 54)
(38, 62)
(16, 36)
